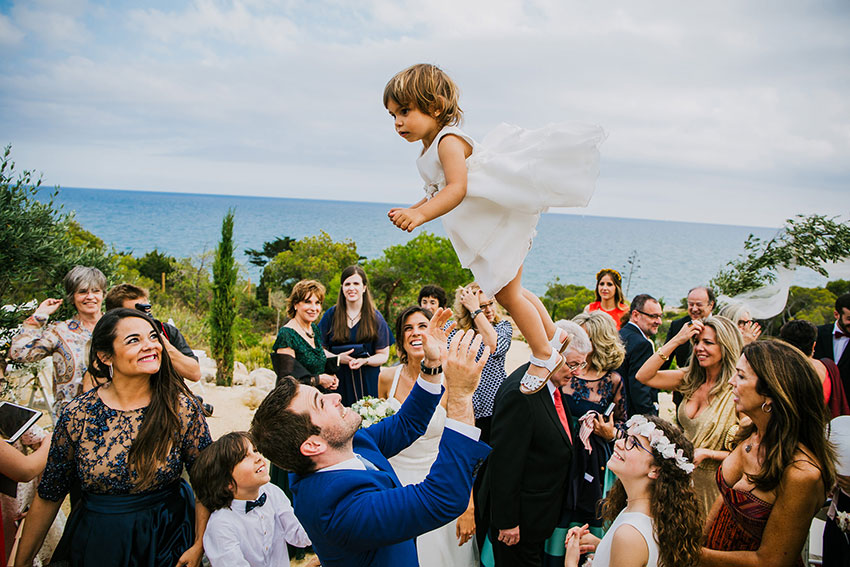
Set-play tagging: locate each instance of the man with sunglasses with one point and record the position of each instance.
(644, 320)
(133, 297)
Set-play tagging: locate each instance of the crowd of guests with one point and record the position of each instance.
(470, 469)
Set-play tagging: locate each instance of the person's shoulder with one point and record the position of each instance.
(802, 472)
(504, 325)
(628, 536)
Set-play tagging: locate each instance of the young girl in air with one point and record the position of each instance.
(491, 195)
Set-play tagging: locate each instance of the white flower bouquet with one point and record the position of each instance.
(372, 410)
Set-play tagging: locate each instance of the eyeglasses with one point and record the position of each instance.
(631, 441)
(653, 316)
(573, 366)
(487, 305)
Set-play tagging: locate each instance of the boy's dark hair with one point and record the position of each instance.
(121, 292)
(212, 472)
(801, 334)
(842, 302)
(434, 291)
(279, 432)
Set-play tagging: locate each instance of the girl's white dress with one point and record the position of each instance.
(437, 548)
(642, 523)
(513, 176)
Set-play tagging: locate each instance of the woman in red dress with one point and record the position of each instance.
(609, 295)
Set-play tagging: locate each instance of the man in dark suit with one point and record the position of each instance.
(528, 471)
(644, 320)
(345, 493)
(833, 339)
(701, 302)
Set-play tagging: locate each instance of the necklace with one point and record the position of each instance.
(352, 320)
(630, 500)
(303, 330)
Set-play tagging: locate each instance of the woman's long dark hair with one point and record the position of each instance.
(399, 328)
(676, 512)
(161, 427)
(368, 329)
(798, 416)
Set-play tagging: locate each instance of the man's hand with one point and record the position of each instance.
(509, 537)
(462, 373)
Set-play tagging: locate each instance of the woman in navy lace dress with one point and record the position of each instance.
(126, 443)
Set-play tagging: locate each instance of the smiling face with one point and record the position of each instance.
(488, 306)
(338, 423)
(699, 306)
(309, 309)
(88, 300)
(707, 352)
(353, 288)
(744, 381)
(136, 349)
(649, 318)
(412, 124)
(250, 473)
(634, 461)
(412, 330)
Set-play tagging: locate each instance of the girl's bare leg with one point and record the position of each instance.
(548, 324)
(529, 321)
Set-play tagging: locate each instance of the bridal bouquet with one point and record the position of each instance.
(372, 410)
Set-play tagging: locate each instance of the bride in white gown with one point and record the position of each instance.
(440, 547)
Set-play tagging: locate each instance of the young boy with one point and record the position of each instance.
(431, 297)
(252, 519)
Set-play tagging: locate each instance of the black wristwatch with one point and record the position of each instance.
(430, 371)
(476, 312)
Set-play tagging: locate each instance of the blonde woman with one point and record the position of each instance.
(707, 412)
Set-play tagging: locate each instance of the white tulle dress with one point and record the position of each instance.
(437, 548)
(513, 176)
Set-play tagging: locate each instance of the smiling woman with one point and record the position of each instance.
(125, 443)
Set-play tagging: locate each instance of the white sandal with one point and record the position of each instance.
(531, 384)
(558, 345)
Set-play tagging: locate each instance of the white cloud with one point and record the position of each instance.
(9, 34)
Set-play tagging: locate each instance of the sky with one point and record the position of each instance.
(724, 112)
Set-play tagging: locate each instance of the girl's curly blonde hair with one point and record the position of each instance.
(429, 89)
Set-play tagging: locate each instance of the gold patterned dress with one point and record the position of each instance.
(709, 429)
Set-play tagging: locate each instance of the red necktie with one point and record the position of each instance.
(562, 415)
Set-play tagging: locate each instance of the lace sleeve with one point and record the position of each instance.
(197, 432)
(34, 342)
(620, 411)
(56, 478)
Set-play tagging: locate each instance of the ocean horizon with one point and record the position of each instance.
(670, 256)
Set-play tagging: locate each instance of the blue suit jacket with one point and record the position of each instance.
(640, 398)
(365, 518)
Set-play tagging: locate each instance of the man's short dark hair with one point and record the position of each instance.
(122, 292)
(279, 432)
(842, 302)
(639, 302)
(212, 472)
(800, 333)
(434, 291)
(708, 291)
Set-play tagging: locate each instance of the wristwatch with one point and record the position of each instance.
(430, 371)
(476, 312)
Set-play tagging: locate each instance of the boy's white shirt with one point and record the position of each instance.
(234, 538)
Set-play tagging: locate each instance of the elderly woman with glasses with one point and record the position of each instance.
(707, 412)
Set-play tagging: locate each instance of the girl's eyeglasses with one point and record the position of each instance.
(630, 441)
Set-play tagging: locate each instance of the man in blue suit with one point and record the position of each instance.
(644, 320)
(345, 493)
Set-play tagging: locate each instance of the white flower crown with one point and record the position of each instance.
(639, 425)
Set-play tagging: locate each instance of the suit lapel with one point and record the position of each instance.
(546, 399)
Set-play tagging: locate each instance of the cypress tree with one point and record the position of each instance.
(223, 309)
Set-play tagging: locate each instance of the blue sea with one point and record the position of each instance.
(670, 257)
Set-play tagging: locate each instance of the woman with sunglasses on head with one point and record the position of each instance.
(125, 442)
(776, 479)
(707, 411)
(652, 511)
(609, 296)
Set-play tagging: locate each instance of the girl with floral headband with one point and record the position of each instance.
(609, 295)
(652, 511)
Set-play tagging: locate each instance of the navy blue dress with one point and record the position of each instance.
(353, 385)
(115, 523)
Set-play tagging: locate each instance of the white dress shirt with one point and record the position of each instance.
(234, 538)
(838, 343)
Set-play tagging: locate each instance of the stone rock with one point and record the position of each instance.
(253, 397)
(208, 367)
(240, 375)
(262, 378)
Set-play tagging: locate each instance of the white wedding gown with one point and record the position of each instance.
(437, 548)
(512, 177)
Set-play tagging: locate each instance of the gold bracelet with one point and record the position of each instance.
(663, 356)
